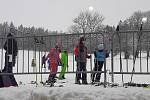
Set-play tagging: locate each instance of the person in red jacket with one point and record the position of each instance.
(54, 61)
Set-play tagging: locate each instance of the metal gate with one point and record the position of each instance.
(129, 52)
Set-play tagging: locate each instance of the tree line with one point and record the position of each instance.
(85, 22)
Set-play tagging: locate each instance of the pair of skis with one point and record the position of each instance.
(134, 53)
(47, 84)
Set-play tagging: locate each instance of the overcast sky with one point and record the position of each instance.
(58, 14)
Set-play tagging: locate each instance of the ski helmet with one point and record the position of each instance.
(100, 46)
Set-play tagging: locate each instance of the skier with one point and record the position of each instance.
(99, 55)
(43, 62)
(11, 49)
(54, 61)
(81, 56)
(64, 59)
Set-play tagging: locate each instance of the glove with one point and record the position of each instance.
(89, 56)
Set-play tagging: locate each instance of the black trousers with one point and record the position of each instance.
(8, 68)
(98, 67)
(9, 65)
(81, 70)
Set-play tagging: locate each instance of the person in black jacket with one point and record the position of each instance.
(81, 56)
(11, 49)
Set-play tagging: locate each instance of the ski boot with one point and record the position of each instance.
(63, 77)
(51, 81)
(84, 82)
(77, 82)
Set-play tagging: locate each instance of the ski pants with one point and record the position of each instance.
(81, 66)
(9, 65)
(8, 68)
(63, 71)
(53, 70)
(98, 67)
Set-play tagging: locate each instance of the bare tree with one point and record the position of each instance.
(74, 29)
(87, 22)
(135, 20)
(132, 23)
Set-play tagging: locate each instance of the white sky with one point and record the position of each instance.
(58, 14)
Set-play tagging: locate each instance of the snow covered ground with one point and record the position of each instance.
(71, 91)
(77, 92)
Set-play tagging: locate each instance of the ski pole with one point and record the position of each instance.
(121, 69)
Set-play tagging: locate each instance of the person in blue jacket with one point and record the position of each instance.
(100, 56)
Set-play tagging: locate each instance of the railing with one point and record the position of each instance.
(129, 43)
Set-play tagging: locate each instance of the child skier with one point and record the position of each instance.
(54, 61)
(100, 56)
(64, 59)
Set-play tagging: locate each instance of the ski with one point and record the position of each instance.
(107, 83)
(51, 84)
(137, 85)
(134, 55)
(54, 86)
(33, 82)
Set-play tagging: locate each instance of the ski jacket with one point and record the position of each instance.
(54, 56)
(76, 51)
(81, 53)
(64, 58)
(100, 55)
(11, 45)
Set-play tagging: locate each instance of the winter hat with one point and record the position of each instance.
(9, 35)
(56, 46)
(100, 46)
(82, 38)
(12, 30)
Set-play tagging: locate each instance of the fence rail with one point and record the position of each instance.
(129, 52)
